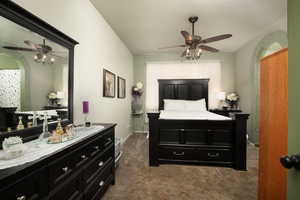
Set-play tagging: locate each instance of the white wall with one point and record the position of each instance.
(201, 69)
(99, 48)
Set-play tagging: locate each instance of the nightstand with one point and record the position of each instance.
(224, 112)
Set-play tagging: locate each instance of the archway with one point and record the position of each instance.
(268, 45)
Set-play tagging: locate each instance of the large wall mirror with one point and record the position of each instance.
(36, 72)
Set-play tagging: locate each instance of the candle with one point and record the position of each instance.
(85, 105)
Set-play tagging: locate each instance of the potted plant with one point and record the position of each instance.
(137, 91)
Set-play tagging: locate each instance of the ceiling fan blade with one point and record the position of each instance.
(186, 36)
(216, 38)
(32, 45)
(208, 48)
(58, 56)
(18, 48)
(175, 46)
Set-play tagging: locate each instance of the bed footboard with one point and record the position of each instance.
(201, 142)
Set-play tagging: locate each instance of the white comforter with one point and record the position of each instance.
(191, 115)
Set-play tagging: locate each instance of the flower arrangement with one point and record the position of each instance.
(137, 89)
(52, 98)
(10, 141)
(52, 95)
(232, 99)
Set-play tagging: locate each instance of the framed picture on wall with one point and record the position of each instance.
(121, 87)
(109, 86)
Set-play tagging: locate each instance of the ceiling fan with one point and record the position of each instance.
(194, 44)
(42, 51)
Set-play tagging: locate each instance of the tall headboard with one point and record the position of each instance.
(185, 89)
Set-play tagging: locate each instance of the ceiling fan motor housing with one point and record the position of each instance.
(193, 19)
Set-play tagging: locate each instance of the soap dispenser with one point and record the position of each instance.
(20, 124)
(59, 130)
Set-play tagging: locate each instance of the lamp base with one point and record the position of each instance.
(87, 124)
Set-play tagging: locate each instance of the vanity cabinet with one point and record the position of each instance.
(30, 187)
(82, 171)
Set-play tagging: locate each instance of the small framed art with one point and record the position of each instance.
(109, 86)
(121, 87)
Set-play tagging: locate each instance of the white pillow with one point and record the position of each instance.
(175, 105)
(198, 105)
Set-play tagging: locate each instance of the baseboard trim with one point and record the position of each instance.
(140, 132)
(125, 139)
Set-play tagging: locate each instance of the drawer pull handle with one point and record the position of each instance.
(21, 198)
(83, 157)
(101, 164)
(65, 169)
(101, 183)
(178, 154)
(108, 142)
(213, 155)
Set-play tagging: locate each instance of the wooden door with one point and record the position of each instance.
(273, 125)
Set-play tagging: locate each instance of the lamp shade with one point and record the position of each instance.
(60, 95)
(221, 96)
(85, 107)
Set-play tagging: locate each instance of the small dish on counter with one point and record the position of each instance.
(56, 139)
(61, 135)
(13, 147)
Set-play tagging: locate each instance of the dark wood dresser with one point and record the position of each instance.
(82, 171)
(225, 112)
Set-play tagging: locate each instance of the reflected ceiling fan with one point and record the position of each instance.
(194, 44)
(42, 51)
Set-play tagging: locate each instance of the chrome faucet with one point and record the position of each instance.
(45, 134)
(34, 118)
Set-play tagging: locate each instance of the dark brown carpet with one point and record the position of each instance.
(135, 180)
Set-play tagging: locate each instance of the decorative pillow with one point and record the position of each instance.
(175, 105)
(198, 105)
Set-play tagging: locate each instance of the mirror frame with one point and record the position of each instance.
(24, 18)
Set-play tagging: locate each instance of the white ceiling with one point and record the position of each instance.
(146, 25)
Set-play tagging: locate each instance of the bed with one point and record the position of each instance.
(193, 136)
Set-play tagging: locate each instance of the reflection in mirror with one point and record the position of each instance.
(33, 78)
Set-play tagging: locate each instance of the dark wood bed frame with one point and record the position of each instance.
(201, 142)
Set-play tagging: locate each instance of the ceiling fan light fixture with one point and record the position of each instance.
(199, 52)
(195, 45)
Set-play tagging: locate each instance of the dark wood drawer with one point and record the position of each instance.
(103, 188)
(178, 153)
(196, 136)
(107, 139)
(96, 166)
(60, 169)
(220, 137)
(169, 136)
(70, 190)
(96, 189)
(216, 155)
(100, 143)
(32, 187)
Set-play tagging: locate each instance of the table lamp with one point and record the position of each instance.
(85, 110)
(221, 96)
